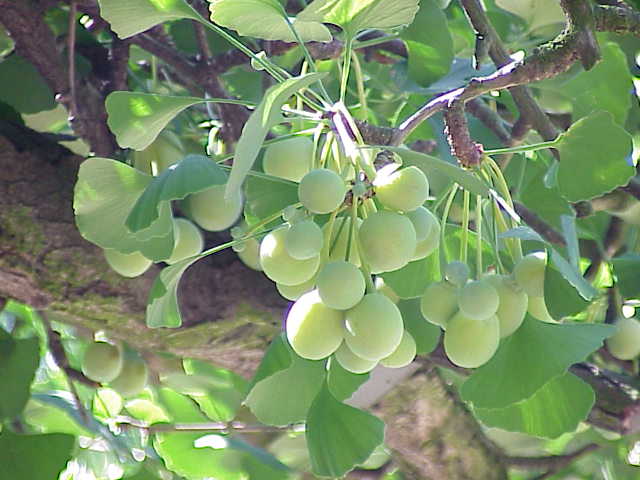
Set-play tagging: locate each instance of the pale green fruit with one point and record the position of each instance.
(423, 222)
(404, 190)
(340, 285)
(403, 355)
(537, 308)
(352, 362)
(439, 303)
(338, 244)
(127, 264)
(279, 266)
(386, 290)
(304, 240)
(321, 190)
(314, 330)
(478, 300)
(456, 273)
(625, 342)
(133, 377)
(212, 211)
(289, 159)
(165, 150)
(373, 327)
(388, 241)
(294, 292)
(470, 343)
(529, 273)
(188, 240)
(102, 362)
(377, 459)
(513, 303)
(250, 254)
(425, 247)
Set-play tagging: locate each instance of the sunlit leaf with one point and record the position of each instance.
(342, 383)
(537, 13)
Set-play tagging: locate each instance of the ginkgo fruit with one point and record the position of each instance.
(439, 303)
(188, 240)
(250, 254)
(383, 288)
(281, 267)
(456, 273)
(165, 150)
(471, 343)
(127, 264)
(423, 221)
(374, 327)
(537, 308)
(426, 246)
(624, 344)
(513, 303)
(404, 353)
(314, 330)
(340, 285)
(294, 292)
(289, 159)
(339, 241)
(529, 273)
(321, 190)
(132, 378)
(102, 362)
(304, 240)
(212, 211)
(404, 190)
(388, 241)
(352, 362)
(478, 300)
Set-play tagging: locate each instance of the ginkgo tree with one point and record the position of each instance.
(260, 239)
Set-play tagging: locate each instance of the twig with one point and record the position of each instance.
(71, 59)
(545, 230)
(552, 463)
(456, 129)
(491, 119)
(223, 427)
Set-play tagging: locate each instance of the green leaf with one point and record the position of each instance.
(356, 15)
(558, 407)
(341, 382)
(285, 396)
(22, 86)
(136, 119)
(627, 271)
(277, 357)
(19, 359)
(427, 335)
(411, 280)
(30, 457)
(572, 275)
(340, 437)
(536, 353)
(560, 296)
(129, 17)
(427, 164)
(162, 307)
(593, 155)
(180, 408)
(193, 174)
(104, 195)
(264, 196)
(537, 13)
(429, 44)
(265, 116)
(265, 19)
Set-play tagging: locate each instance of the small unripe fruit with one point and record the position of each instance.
(279, 266)
(386, 290)
(294, 292)
(304, 240)
(537, 308)
(624, 344)
(456, 273)
(405, 189)
(439, 303)
(478, 300)
(289, 159)
(374, 327)
(425, 247)
(188, 241)
(338, 244)
(388, 241)
(212, 211)
(513, 303)
(340, 285)
(133, 377)
(352, 362)
(529, 273)
(321, 190)
(403, 355)
(423, 221)
(102, 362)
(165, 150)
(471, 343)
(127, 264)
(314, 330)
(250, 254)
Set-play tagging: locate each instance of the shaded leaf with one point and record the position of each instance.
(22, 86)
(21, 456)
(339, 437)
(411, 280)
(560, 296)
(572, 275)
(19, 359)
(537, 13)
(425, 334)
(627, 271)
(536, 353)
(593, 157)
(264, 196)
(342, 383)
(277, 357)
